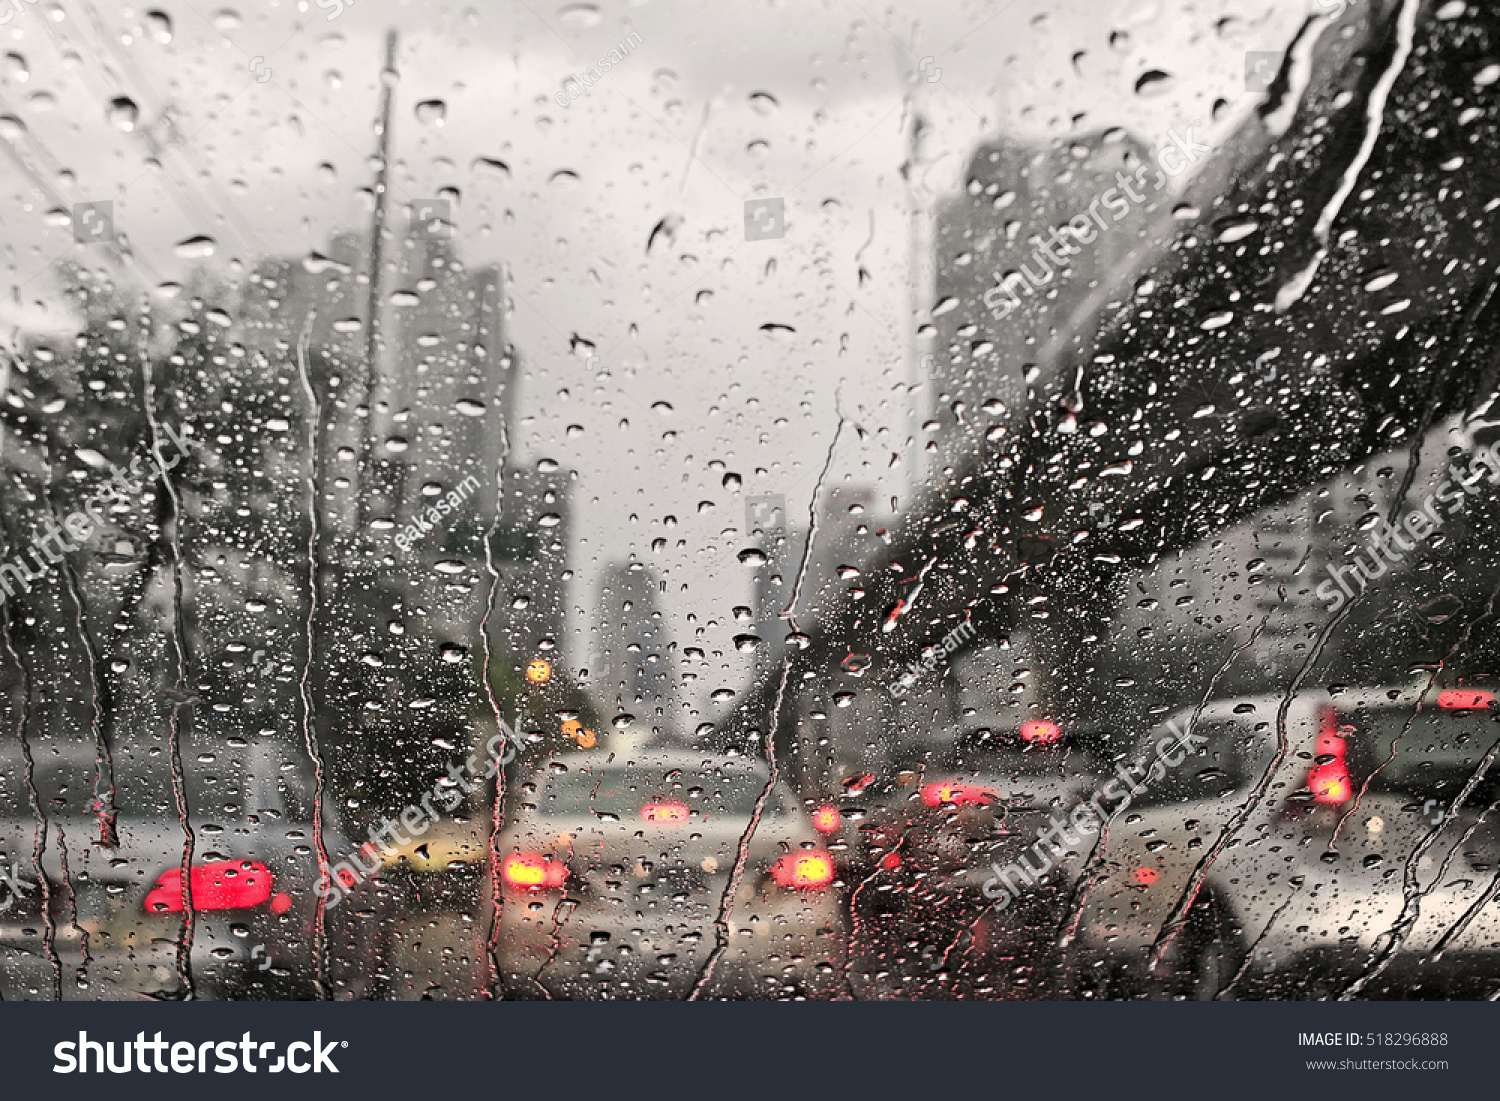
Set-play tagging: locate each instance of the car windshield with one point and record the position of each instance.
(446, 445)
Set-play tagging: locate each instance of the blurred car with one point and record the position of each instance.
(115, 927)
(1368, 867)
(615, 872)
(923, 924)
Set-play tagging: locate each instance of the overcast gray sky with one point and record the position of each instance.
(718, 103)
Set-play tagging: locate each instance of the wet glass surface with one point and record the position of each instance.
(978, 500)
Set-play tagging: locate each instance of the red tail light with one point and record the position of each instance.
(1144, 877)
(531, 872)
(222, 885)
(1040, 732)
(959, 795)
(826, 819)
(1462, 699)
(808, 868)
(1329, 779)
(664, 812)
(891, 861)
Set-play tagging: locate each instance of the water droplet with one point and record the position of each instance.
(159, 23)
(1154, 83)
(195, 248)
(747, 644)
(123, 113)
(396, 444)
(1231, 230)
(450, 566)
(489, 166)
(752, 556)
(579, 17)
(432, 112)
(469, 407)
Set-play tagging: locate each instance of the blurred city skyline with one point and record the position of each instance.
(615, 220)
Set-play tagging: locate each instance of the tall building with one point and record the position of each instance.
(1010, 269)
(636, 653)
(529, 551)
